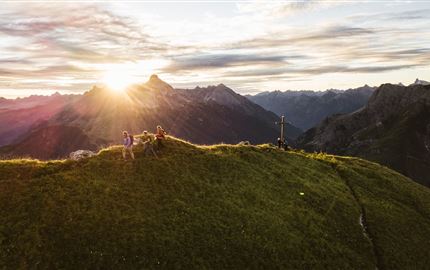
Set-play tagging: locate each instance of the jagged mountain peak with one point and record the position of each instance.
(391, 128)
(155, 83)
(221, 86)
(420, 82)
(397, 92)
(221, 94)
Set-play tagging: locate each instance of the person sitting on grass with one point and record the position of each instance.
(128, 145)
(160, 136)
(147, 141)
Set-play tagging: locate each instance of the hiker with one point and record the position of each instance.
(279, 143)
(147, 141)
(128, 145)
(160, 136)
(285, 144)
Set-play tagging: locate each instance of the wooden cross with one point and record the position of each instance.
(282, 124)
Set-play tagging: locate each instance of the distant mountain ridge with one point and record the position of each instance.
(392, 129)
(208, 115)
(51, 142)
(305, 109)
(18, 116)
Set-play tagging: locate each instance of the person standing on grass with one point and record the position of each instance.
(128, 145)
(147, 141)
(279, 143)
(285, 144)
(160, 136)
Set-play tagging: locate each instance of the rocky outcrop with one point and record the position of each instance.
(244, 143)
(81, 154)
(393, 129)
(420, 82)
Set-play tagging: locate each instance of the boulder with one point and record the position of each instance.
(80, 154)
(244, 143)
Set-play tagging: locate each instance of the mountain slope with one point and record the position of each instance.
(51, 142)
(305, 109)
(393, 129)
(19, 116)
(211, 207)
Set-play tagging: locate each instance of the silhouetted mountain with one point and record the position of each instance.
(420, 82)
(393, 129)
(202, 115)
(50, 142)
(156, 84)
(18, 116)
(305, 109)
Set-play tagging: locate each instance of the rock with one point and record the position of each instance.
(81, 154)
(244, 143)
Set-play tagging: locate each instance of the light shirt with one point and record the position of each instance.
(127, 141)
(147, 137)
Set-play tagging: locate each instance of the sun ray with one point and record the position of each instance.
(118, 79)
(119, 76)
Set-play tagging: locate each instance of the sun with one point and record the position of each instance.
(118, 79)
(119, 76)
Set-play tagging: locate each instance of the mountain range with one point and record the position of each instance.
(305, 109)
(32, 126)
(392, 129)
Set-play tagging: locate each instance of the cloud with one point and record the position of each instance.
(291, 72)
(91, 33)
(276, 9)
(211, 61)
(46, 72)
(287, 38)
(406, 15)
(264, 41)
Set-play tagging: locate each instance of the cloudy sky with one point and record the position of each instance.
(251, 46)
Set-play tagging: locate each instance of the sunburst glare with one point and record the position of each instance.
(119, 76)
(118, 80)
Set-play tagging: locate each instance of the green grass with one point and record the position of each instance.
(210, 207)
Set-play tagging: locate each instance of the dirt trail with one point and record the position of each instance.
(362, 220)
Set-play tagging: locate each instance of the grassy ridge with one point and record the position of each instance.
(210, 207)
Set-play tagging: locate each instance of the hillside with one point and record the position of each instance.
(211, 207)
(305, 109)
(18, 116)
(392, 129)
(50, 142)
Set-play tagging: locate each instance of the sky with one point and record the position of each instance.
(251, 46)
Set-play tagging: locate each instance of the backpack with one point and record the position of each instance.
(131, 139)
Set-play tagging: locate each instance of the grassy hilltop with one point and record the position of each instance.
(211, 207)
